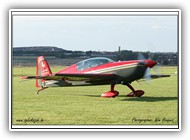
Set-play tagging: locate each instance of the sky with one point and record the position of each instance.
(97, 33)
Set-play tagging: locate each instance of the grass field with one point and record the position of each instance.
(83, 105)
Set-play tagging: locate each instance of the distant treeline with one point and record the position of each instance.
(164, 58)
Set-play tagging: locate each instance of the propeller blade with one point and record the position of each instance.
(157, 69)
(147, 74)
(140, 56)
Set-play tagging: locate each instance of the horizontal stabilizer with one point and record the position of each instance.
(28, 77)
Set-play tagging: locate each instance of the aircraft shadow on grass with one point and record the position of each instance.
(150, 99)
(142, 99)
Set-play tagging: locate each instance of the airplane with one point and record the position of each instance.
(95, 71)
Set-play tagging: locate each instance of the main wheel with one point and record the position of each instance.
(137, 93)
(110, 94)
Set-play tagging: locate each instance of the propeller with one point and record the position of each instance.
(147, 74)
(142, 59)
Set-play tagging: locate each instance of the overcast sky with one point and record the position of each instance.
(103, 33)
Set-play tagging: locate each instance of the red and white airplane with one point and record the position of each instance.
(94, 71)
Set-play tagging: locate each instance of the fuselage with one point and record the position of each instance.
(125, 71)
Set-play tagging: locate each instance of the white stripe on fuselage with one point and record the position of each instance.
(111, 69)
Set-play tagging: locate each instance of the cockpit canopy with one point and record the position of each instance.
(93, 62)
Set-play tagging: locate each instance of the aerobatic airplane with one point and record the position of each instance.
(94, 71)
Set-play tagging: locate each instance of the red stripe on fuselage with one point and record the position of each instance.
(73, 68)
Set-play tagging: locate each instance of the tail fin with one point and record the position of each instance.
(42, 69)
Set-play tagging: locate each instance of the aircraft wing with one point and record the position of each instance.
(74, 77)
(158, 76)
(154, 76)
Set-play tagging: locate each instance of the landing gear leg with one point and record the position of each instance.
(110, 94)
(41, 90)
(134, 93)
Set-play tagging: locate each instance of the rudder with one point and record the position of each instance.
(42, 69)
